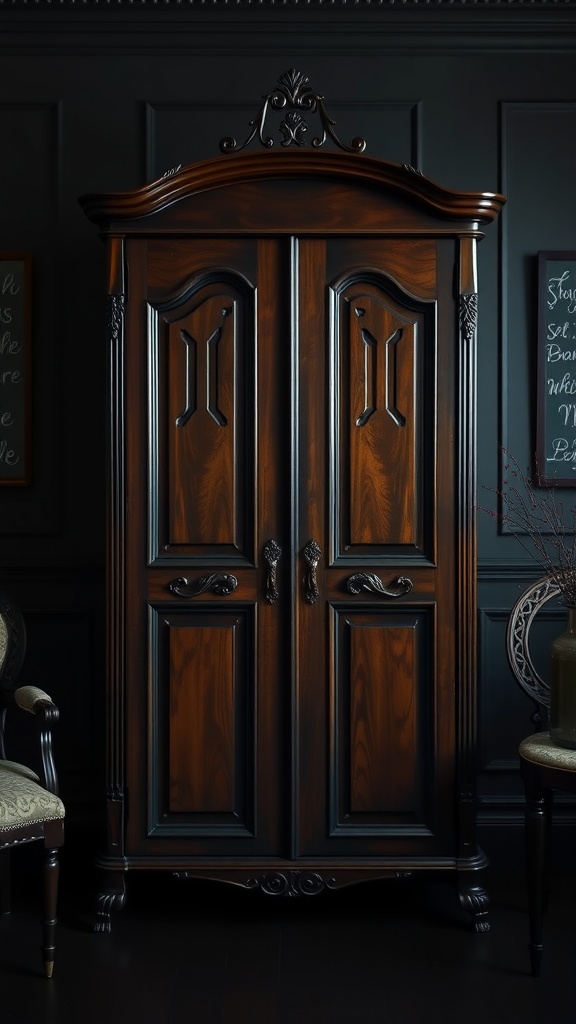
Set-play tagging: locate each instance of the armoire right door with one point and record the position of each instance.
(374, 618)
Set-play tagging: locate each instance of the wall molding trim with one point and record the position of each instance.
(396, 5)
(354, 28)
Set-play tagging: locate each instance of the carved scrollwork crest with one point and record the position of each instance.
(293, 95)
(290, 883)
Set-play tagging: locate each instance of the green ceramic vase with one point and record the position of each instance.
(563, 685)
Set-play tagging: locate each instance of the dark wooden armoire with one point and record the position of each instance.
(291, 602)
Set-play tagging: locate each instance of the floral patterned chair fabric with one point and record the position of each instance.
(545, 767)
(30, 807)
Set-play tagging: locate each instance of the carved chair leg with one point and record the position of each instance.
(4, 881)
(537, 818)
(548, 847)
(51, 872)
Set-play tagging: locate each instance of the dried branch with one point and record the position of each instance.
(537, 520)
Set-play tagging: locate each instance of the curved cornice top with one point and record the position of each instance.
(237, 169)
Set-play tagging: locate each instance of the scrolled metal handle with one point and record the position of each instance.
(220, 583)
(372, 583)
(312, 554)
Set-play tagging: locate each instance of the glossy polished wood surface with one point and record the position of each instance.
(292, 649)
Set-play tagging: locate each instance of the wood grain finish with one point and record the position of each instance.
(202, 699)
(293, 375)
(399, 182)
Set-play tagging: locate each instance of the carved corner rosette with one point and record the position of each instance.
(115, 317)
(292, 95)
(468, 315)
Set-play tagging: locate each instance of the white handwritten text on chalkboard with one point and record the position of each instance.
(557, 360)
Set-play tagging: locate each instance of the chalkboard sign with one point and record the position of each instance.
(556, 393)
(15, 377)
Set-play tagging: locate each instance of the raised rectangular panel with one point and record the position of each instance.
(382, 720)
(202, 404)
(30, 140)
(203, 760)
(383, 353)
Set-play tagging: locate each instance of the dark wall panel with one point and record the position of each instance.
(105, 100)
(539, 168)
(30, 130)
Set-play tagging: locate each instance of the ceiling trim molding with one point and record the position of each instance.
(233, 5)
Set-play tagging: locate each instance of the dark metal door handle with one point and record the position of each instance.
(272, 554)
(312, 555)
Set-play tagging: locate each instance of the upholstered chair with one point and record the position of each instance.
(545, 767)
(30, 807)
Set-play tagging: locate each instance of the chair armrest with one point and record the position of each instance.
(32, 699)
(37, 702)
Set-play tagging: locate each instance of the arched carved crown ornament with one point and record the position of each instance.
(293, 94)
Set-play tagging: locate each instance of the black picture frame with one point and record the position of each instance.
(15, 368)
(556, 369)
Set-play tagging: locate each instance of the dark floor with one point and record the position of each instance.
(205, 953)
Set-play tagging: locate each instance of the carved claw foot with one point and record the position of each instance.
(112, 899)
(474, 900)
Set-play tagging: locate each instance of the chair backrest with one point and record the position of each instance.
(12, 643)
(12, 651)
(521, 618)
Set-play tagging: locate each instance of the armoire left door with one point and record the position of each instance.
(209, 499)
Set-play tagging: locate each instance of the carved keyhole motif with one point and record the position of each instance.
(371, 372)
(191, 374)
